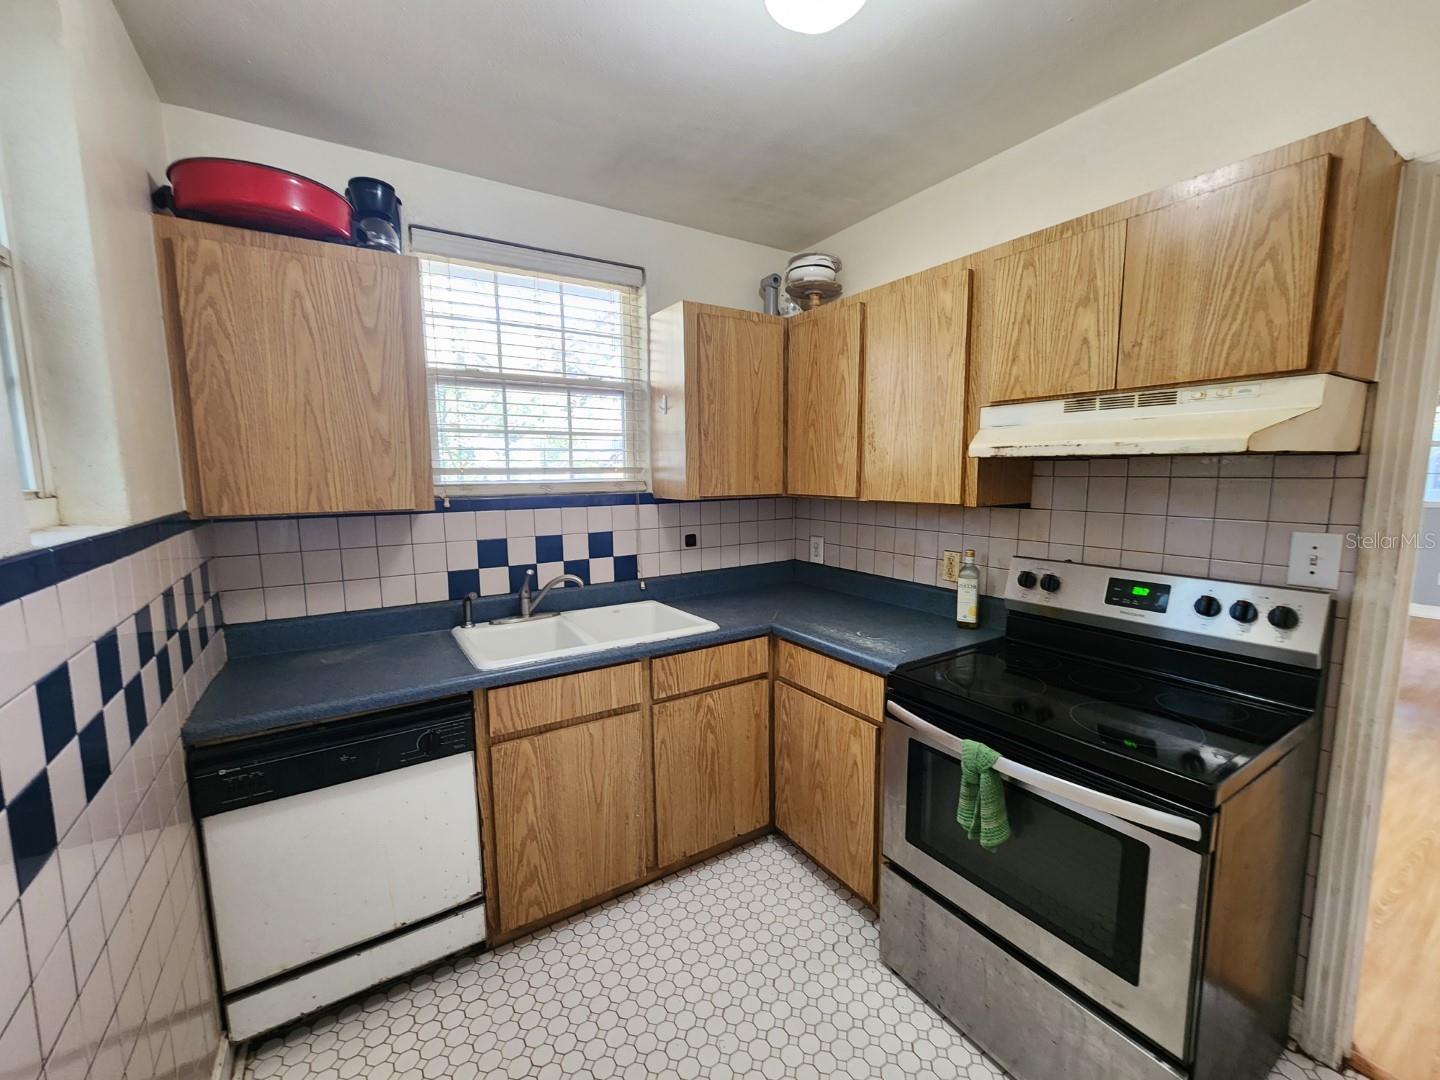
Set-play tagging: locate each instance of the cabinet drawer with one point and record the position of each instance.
(832, 680)
(527, 706)
(685, 672)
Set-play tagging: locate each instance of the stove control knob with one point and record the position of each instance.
(1243, 611)
(1284, 618)
(1207, 606)
(1050, 583)
(1025, 579)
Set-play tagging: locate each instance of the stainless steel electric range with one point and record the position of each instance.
(1158, 738)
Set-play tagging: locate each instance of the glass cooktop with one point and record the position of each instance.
(1115, 715)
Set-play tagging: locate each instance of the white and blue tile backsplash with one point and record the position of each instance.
(105, 646)
(279, 568)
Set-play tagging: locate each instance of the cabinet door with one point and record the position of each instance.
(914, 389)
(1223, 285)
(825, 793)
(1052, 317)
(306, 380)
(572, 815)
(822, 454)
(739, 397)
(712, 768)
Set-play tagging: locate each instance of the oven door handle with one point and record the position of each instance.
(1045, 784)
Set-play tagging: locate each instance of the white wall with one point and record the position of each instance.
(80, 130)
(680, 263)
(122, 147)
(1320, 65)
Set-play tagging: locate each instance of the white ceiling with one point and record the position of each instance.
(702, 113)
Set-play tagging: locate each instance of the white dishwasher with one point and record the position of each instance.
(338, 856)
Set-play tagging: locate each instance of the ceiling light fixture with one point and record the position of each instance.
(812, 16)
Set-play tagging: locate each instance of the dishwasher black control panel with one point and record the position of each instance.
(243, 772)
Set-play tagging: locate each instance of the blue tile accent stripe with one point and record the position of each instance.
(36, 570)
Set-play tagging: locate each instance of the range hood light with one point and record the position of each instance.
(812, 16)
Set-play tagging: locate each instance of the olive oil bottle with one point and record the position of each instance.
(967, 591)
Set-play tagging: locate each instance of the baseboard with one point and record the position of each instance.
(1365, 1067)
(1425, 611)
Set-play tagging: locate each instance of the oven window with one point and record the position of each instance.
(1081, 881)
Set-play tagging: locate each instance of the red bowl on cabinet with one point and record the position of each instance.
(256, 196)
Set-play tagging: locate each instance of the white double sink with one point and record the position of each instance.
(496, 645)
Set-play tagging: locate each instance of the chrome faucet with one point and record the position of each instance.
(527, 605)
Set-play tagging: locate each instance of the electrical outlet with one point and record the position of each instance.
(1314, 560)
(817, 549)
(951, 566)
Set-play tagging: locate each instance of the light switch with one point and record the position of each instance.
(1314, 560)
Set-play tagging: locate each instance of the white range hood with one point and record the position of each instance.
(1297, 414)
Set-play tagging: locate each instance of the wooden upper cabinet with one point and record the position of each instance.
(1052, 316)
(298, 370)
(1223, 285)
(913, 388)
(717, 393)
(824, 364)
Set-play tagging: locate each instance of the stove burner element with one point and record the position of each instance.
(991, 680)
(1203, 707)
(1110, 683)
(1135, 729)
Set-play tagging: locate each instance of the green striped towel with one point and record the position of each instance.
(982, 796)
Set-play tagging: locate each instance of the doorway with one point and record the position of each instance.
(1396, 1034)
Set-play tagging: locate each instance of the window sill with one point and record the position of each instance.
(480, 491)
(41, 511)
(55, 535)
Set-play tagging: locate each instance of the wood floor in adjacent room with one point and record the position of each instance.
(1396, 1033)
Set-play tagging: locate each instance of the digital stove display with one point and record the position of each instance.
(1146, 595)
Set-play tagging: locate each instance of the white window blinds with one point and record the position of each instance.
(1432, 472)
(536, 364)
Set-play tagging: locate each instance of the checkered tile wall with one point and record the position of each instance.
(276, 568)
(104, 958)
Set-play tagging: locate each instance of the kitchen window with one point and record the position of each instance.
(1432, 470)
(537, 368)
(18, 400)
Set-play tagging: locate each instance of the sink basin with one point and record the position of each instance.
(492, 646)
(647, 620)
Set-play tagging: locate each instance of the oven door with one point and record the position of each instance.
(1092, 887)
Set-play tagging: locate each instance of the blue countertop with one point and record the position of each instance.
(311, 671)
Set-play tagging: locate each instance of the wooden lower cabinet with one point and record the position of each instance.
(825, 785)
(576, 813)
(572, 815)
(712, 768)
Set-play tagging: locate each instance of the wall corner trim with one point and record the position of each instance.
(1404, 410)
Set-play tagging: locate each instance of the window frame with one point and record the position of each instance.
(1430, 456)
(441, 245)
(22, 379)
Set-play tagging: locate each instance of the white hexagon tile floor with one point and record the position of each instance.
(754, 964)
